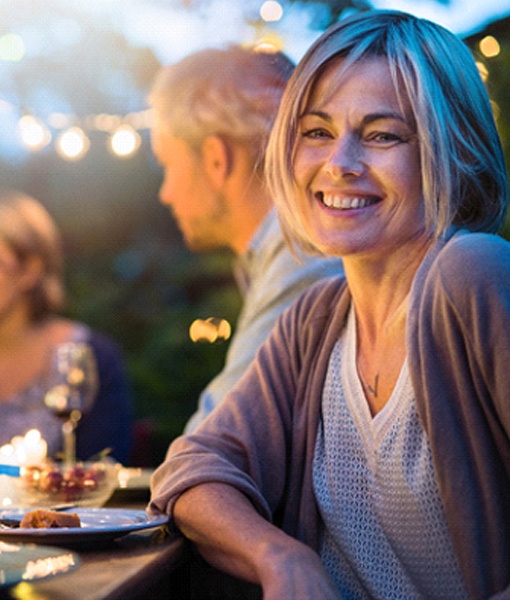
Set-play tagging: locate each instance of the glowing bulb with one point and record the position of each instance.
(210, 330)
(73, 144)
(269, 44)
(489, 46)
(33, 133)
(482, 69)
(125, 141)
(271, 11)
(12, 47)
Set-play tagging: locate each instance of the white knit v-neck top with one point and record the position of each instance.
(385, 534)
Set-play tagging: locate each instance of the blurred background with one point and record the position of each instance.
(74, 133)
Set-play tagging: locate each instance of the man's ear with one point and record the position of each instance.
(217, 159)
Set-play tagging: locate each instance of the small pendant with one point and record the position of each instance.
(373, 390)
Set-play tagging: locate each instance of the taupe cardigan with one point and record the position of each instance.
(261, 439)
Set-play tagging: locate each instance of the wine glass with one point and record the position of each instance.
(73, 383)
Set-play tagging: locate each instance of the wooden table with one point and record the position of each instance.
(138, 565)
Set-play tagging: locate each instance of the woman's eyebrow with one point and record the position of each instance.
(316, 113)
(382, 116)
(369, 118)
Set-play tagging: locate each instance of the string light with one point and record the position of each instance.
(70, 133)
(33, 133)
(125, 141)
(73, 144)
(271, 11)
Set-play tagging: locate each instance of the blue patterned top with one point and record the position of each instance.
(108, 422)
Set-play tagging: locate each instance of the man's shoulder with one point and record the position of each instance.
(272, 254)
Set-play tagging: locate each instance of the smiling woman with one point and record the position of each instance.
(376, 386)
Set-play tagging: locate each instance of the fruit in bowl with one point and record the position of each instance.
(82, 484)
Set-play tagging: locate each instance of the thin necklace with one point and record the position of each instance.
(373, 390)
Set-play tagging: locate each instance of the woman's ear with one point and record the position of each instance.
(217, 159)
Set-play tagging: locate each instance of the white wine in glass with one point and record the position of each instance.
(73, 383)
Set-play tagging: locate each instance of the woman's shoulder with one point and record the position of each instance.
(474, 254)
(62, 330)
(470, 261)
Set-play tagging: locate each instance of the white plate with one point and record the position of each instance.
(97, 525)
(28, 563)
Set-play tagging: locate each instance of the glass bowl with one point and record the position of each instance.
(83, 484)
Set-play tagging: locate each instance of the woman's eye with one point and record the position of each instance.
(315, 133)
(384, 137)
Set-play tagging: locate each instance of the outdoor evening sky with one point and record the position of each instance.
(174, 32)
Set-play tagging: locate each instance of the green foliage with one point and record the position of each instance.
(498, 84)
(149, 313)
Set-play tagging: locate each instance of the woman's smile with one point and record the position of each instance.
(345, 202)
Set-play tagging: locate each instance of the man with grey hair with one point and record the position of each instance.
(212, 115)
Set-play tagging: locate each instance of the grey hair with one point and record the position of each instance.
(464, 179)
(233, 93)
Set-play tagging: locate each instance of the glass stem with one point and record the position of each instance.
(69, 442)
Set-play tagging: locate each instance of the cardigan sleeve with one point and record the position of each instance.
(459, 357)
(244, 441)
(261, 438)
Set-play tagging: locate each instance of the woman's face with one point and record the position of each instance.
(357, 164)
(15, 280)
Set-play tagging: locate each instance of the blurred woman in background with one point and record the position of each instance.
(31, 329)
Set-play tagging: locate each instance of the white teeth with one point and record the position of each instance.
(345, 203)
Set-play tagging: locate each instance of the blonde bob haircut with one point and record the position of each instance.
(464, 180)
(29, 231)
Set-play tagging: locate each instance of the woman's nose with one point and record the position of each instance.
(345, 159)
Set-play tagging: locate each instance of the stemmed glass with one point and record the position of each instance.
(73, 383)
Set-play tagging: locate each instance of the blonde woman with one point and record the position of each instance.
(366, 452)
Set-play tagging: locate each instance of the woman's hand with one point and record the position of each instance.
(298, 573)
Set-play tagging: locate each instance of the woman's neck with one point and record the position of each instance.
(16, 328)
(380, 289)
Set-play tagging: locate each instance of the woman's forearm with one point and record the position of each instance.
(231, 535)
(227, 530)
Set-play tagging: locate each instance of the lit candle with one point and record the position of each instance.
(30, 449)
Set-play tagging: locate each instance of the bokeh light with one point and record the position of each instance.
(210, 330)
(489, 46)
(482, 69)
(72, 144)
(271, 11)
(125, 141)
(12, 47)
(33, 133)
